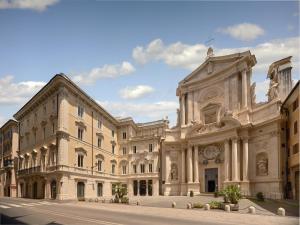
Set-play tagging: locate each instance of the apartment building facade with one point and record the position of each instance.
(8, 159)
(70, 147)
(290, 111)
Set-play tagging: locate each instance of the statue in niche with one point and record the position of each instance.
(252, 93)
(262, 164)
(174, 172)
(273, 90)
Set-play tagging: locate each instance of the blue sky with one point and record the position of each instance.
(130, 56)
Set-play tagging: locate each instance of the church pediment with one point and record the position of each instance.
(214, 65)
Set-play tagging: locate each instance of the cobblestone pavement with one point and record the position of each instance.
(269, 207)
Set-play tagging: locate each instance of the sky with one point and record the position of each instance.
(130, 56)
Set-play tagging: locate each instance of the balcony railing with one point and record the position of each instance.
(31, 170)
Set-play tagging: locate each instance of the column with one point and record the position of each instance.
(189, 165)
(244, 89)
(138, 188)
(196, 170)
(167, 167)
(234, 160)
(245, 159)
(226, 159)
(182, 110)
(183, 166)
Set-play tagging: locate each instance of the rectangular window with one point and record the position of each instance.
(44, 132)
(80, 111)
(112, 133)
(150, 168)
(99, 142)
(99, 123)
(134, 168)
(142, 166)
(296, 148)
(80, 133)
(123, 169)
(295, 127)
(34, 137)
(124, 135)
(113, 149)
(99, 165)
(80, 160)
(295, 104)
(113, 166)
(100, 189)
(53, 128)
(134, 149)
(124, 150)
(150, 147)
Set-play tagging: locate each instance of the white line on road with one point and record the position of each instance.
(4, 207)
(13, 205)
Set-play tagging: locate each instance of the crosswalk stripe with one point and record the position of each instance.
(13, 205)
(4, 207)
(48, 203)
(26, 204)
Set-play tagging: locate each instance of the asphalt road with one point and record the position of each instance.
(27, 211)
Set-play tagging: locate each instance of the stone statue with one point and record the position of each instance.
(252, 94)
(174, 172)
(273, 90)
(178, 118)
(261, 165)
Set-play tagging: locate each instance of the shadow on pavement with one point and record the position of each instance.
(291, 208)
(4, 219)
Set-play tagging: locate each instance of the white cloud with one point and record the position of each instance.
(17, 93)
(106, 71)
(261, 90)
(191, 56)
(141, 111)
(37, 5)
(136, 92)
(243, 31)
(176, 54)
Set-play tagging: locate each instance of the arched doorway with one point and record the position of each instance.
(53, 189)
(34, 190)
(80, 190)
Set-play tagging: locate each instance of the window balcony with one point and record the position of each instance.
(30, 171)
(9, 163)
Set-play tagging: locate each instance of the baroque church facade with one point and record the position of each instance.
(222, 135)
(70, 147)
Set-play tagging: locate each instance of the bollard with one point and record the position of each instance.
(251, 210)
(138, 203)
(227, 208)
(281, 211)
(207, 207)
(173, 204)
(189, 206)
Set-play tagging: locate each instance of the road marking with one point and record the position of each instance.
(13, 205)
(48, 203)
(26, 204)
(4, 207)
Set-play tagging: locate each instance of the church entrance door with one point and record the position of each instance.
(211, 179)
